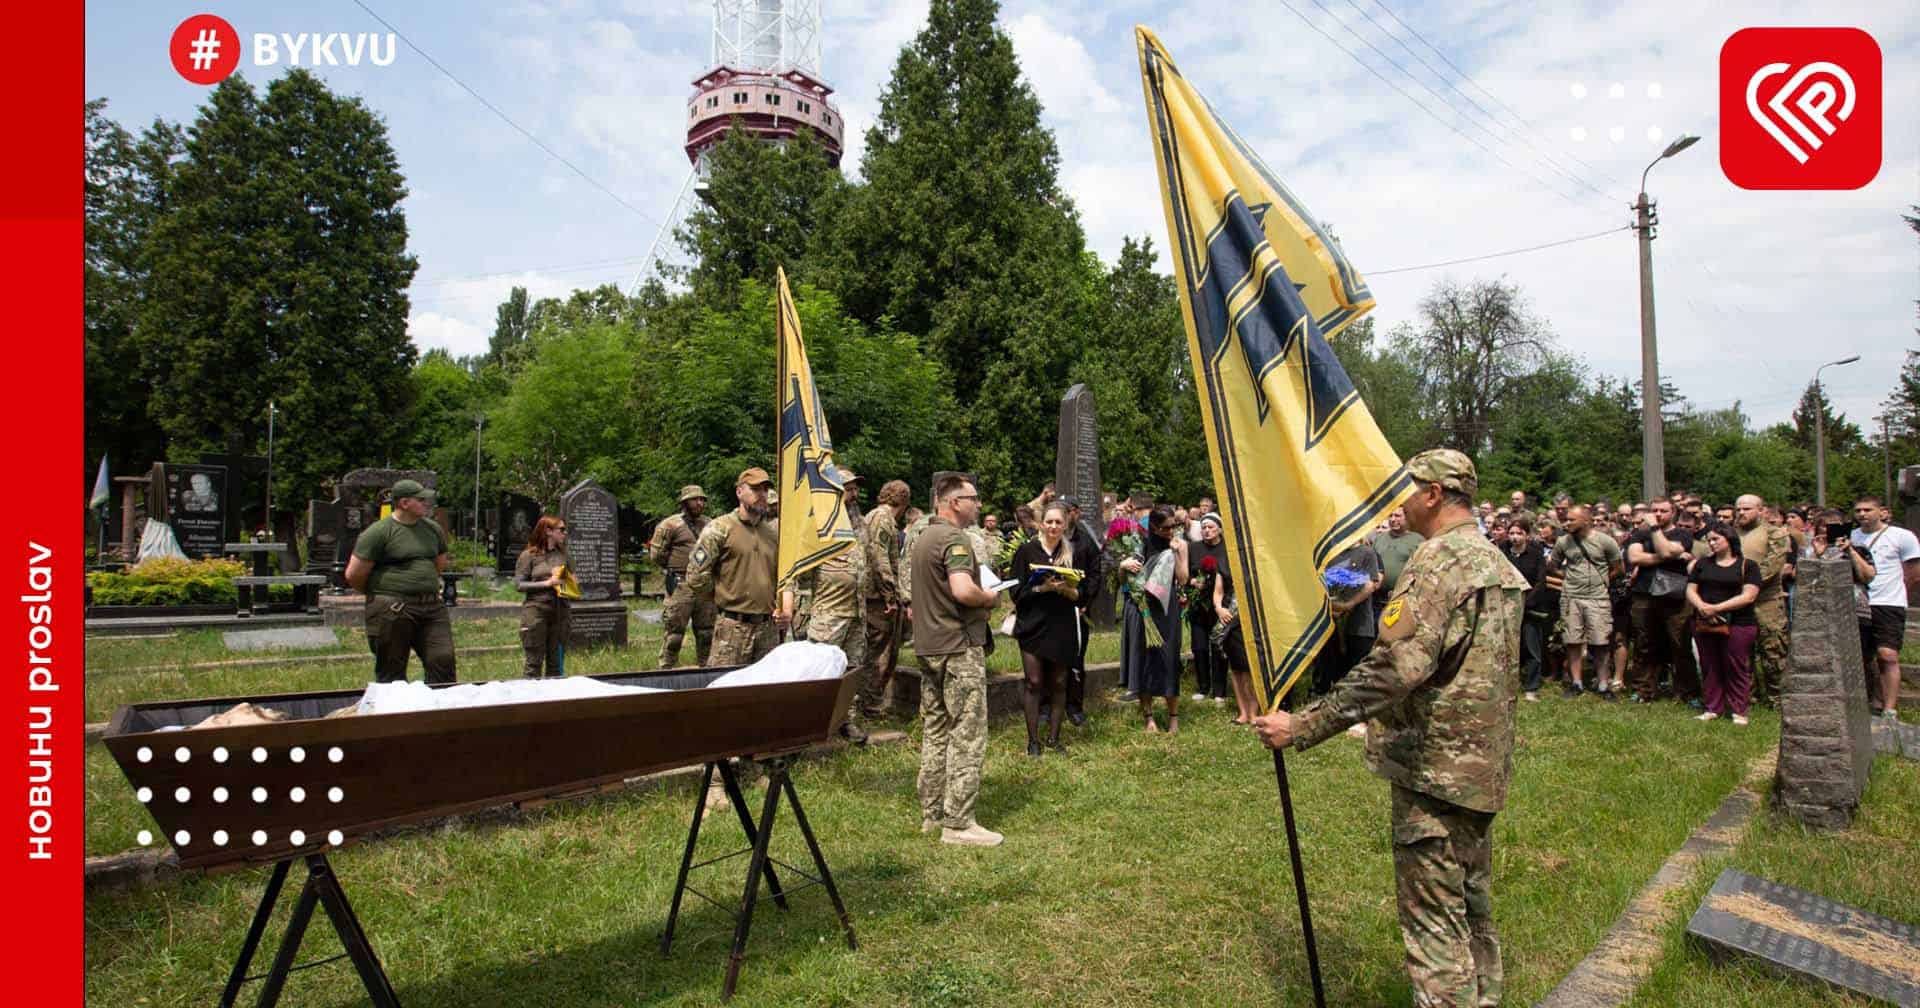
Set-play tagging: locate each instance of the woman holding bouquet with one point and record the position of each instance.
(1152, 631)
(543, 616)
(1045, 622)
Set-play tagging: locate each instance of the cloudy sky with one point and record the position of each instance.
(1423, 132)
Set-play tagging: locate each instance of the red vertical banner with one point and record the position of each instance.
(42, 566)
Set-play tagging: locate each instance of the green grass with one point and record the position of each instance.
(1871, 865)
(1138, 869)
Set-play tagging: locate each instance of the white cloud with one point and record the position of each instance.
(434, 331)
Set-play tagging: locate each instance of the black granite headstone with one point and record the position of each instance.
(519, 514)
(593, 540)
(193, 501)
(593, 554)
(246, 492)
(1800, 934)
(324, 530)
(1076, 474)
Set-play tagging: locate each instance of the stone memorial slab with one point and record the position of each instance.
(324, 529)
(518, 515)
(1800, 934)
(1897, 738)
(593, 540)
(246, 492)
(597, 624)
(193, 502)
(279, 638)
(1076, 457)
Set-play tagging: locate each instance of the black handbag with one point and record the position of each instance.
(1665, 584)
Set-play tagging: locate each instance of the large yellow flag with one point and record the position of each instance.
(1303, 471)
(814, 523)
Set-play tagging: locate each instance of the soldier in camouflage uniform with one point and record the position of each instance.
(1768, 546)
(949, 640)
(672, 545)
(834, 590)
(1438, 694)
(733, 565)
(880, 549)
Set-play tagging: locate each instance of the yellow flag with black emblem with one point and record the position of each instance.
(814, 523)
(1302, 470)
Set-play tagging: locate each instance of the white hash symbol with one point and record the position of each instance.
(1814, 103)
(205, 49)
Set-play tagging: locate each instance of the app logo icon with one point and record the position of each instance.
(1800, 108)
(205, 49)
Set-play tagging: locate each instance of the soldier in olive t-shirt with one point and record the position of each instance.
(397, 561)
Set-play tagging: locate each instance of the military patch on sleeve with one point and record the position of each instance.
(699, 557)
(1395, 622)
(1391, 615)
(959, 557)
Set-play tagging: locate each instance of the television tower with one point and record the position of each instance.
(764, 80)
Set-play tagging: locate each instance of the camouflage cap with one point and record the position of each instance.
(1446, 467)
(690, 492)
(754, 476)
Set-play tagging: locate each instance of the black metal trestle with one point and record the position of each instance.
(779, 782)
(322, 888)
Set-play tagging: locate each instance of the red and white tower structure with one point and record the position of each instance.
(765, 78)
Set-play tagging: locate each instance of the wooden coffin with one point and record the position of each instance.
(262, 793)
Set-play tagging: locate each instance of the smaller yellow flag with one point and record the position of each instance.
(569, 586)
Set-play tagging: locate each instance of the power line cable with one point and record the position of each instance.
(1478, 87)
(1497, 255)
(495, 109)
(1384, 79)
(1410, 75)
(1442, 78)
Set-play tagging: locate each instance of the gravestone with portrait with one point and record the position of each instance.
(192, 500)
(324, 530)
(599, 616)
(245, 505)
(517, 517)
(1802, 935)
(1076, 474)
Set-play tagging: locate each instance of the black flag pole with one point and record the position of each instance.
(1299, 878)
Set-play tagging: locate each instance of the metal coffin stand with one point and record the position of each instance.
(779, 782)
(512, 753)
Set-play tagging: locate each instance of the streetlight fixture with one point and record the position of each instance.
(1820, 430)
(479, 421)
(1653, 453)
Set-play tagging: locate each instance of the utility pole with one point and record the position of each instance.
(1886, 460)
(1820, 430)
(1653, 451)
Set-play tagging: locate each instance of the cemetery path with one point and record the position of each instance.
(1626, 954)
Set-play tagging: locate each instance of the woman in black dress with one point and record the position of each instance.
(1156, 670)
(1045, 623)
(1232, 648)
(1209, 669)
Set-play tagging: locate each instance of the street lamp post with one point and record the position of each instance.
(479, 421)
(271, 411)
(1820, 430)
(1653, 466)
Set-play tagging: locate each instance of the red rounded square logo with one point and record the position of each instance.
(1800, 108)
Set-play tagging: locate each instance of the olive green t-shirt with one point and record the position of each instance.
(402, 556)
(941, 624)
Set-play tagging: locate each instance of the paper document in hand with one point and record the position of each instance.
(991, 581)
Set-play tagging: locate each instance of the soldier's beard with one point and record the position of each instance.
(759, 511)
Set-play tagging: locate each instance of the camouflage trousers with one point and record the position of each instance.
(953, 735)
(880, 652)
(1770, 648)
(737, 642)
(848, 633)
(1443, 871)
(683, 607)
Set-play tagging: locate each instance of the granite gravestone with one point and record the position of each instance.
(1799, 934)
(1897, 738)
(1826, 739)
(245, 505)
(593, 555)
(192, 500)
(518, 515)
(323, 534)
(1076, 474)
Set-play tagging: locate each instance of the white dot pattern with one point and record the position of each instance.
(219, 838)
(259, 838)
(182, 795)
(143, 754)
(144, 836)
(182, 838)
(336, 838)
(145, 795)
(219, 794)
(298, 794)
(297, 838)
(334, 794)
(336, 754)
(182, 754)
(219, 754)
(259, 754)
(259, 795)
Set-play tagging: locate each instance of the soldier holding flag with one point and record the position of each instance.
(1438, 693)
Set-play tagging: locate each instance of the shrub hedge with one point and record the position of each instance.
(163, 582)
